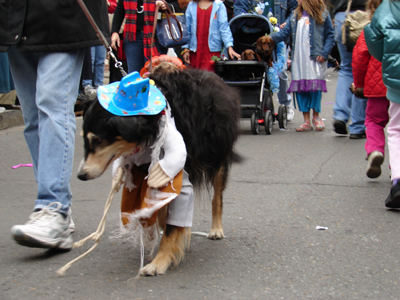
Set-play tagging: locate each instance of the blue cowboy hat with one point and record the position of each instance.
(132, 96)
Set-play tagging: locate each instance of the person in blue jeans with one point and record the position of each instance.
(98, 57)
(347, 106)
(282, 11)
(46, 68)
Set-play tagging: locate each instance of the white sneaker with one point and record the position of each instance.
(290, 113)
(47, 228)
(375, 160)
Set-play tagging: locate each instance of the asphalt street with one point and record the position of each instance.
(289, 184)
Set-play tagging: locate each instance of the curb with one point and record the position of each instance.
(11, 118)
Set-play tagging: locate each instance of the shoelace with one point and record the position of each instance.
(45, 214)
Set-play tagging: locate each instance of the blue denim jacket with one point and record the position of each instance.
(322, 36)
(219, 32)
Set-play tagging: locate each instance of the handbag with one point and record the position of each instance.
(171, 29)
(352, 26)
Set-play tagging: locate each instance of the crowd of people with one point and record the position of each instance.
(47, 70)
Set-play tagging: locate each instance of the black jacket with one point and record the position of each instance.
(51, 25)
(341, 5)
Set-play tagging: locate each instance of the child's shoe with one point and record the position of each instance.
(393, 200)
(318, 124)
(306, 126)
(375, 160)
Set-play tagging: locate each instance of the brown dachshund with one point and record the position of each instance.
(250, 55)
(265, 46)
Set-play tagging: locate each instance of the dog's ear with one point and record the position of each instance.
(138, 129)
(243, 55)
(270, 42)
(257, 57)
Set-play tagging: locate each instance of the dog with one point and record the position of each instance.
(264, 47)
(250, 55)
(206, 112)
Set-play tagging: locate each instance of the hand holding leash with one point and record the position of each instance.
(157, 177)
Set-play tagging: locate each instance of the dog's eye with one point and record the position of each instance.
(96, 141)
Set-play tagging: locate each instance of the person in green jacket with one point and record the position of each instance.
(382, 36)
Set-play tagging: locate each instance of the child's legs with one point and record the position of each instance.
(315, 103)
(394, 139)
(303, 101)
(376, 119)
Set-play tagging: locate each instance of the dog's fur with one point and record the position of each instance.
(206, 112)
(250, 55)
(264, 48)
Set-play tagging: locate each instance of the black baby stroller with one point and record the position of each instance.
(250, 77)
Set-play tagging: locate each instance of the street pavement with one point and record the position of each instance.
(289, 184)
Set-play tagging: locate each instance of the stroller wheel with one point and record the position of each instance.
(282, 116)
(268, 122)
(255, 126)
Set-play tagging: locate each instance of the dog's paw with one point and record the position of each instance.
(216, 234)
(153, 270)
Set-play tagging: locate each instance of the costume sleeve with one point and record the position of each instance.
(360, 61)
(174, 150)
(226, 33)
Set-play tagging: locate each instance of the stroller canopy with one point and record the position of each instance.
(246, 29)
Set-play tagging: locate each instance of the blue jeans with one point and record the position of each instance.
(98, 57)
(47, 85)
(346, 104)
(135, 55)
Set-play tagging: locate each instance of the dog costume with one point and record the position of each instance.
(160, 164)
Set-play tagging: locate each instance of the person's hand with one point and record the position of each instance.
(157, 177)
(282, 25)
(320, 59)
(161, 5)
(115, 41)
(186, 57)
(233, 54)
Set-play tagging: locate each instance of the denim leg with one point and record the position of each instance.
(134, 53)
(98, 57)
(357, 115)
(284, 97)
(47, 86)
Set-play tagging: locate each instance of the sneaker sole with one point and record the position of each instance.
(374, 167)
(28, 241)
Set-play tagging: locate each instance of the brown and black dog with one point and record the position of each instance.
(206, 112)
(264, 48)
(249, 54)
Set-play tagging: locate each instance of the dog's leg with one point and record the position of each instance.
(216, 231)
(172, 246)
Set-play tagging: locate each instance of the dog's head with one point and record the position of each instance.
(250, 55)
(107, 137)
(265, 46)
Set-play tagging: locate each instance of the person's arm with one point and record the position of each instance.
(241, 7)
(283, 34)
(360, 61)
(375, 40)
(119, 15)
(329, 37)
